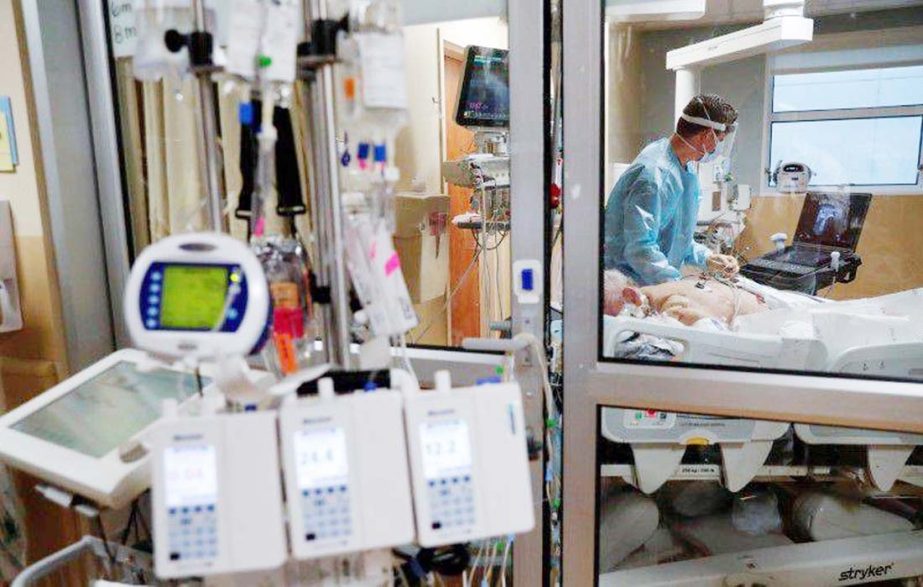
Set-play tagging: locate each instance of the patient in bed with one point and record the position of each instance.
(688, 300)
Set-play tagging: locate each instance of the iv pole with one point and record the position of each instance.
(326, 211)
(210, 158)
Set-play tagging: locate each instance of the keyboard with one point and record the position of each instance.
(806, 257)
(782, 267)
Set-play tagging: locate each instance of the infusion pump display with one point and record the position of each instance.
(447, 467)
(191, 476)
(323, 477)
(322, 458)
(191, 495)
(469, 462)
(446, 449)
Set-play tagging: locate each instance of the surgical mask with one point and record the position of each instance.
(708, 156)
(712, 155)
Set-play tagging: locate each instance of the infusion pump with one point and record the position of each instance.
(349, 484)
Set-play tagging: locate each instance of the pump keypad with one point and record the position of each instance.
(326, 513)
(193, 532)
(451, 502)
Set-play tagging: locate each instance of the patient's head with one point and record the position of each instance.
(618, 291)
(613, 284)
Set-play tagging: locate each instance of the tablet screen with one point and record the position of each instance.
(103, 413)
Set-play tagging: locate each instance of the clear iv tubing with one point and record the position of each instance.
(266, 164)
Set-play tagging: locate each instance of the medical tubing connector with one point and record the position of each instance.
(321, 48)
(199, 43)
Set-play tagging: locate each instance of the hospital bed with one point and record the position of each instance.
(880, 336)
(884, 339)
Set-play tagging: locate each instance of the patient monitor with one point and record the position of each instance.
(217, 496)
(346, 475)
(469, 462)
(200, 295)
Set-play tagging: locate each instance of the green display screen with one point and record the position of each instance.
(193, 296)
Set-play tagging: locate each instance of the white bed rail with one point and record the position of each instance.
(722, 348)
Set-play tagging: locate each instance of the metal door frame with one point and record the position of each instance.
(65, 107)
(591, 383)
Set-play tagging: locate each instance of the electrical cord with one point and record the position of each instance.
(448, 302)
(198, 380)
(451, 561)
(131, 524)
(506, 556)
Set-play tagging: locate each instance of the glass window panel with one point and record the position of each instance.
(761, 493)
(798, 309)
(868, 151)
(856, 88)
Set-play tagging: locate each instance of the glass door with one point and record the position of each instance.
(741, 186)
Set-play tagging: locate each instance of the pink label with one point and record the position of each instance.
(260, 227)
(393, 264)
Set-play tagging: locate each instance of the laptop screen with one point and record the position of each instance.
(832, 220)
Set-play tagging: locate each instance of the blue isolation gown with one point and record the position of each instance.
(651, 216)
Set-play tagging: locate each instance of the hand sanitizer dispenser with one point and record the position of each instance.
(10, 310)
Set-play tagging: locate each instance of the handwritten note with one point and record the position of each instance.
(123, 30)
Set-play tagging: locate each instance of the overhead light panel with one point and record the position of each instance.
(654, 10)
(773, 35)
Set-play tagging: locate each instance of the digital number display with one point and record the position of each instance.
(446, 448)
(321, 457)
(191, 474)
(194, 296)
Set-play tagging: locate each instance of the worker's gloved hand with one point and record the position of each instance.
(723, 264)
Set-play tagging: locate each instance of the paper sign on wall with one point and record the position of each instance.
(9, 156)
(6, 152)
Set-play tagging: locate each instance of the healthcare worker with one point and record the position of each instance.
(652, 210)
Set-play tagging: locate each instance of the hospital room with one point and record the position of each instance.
(359, 293)
(815, 192)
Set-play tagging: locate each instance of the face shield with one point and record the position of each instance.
(724, 147)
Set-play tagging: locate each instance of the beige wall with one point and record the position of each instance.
(890, 245)
(623, 88)
(41, 338)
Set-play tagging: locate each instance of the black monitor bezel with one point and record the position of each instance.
(471, 52)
